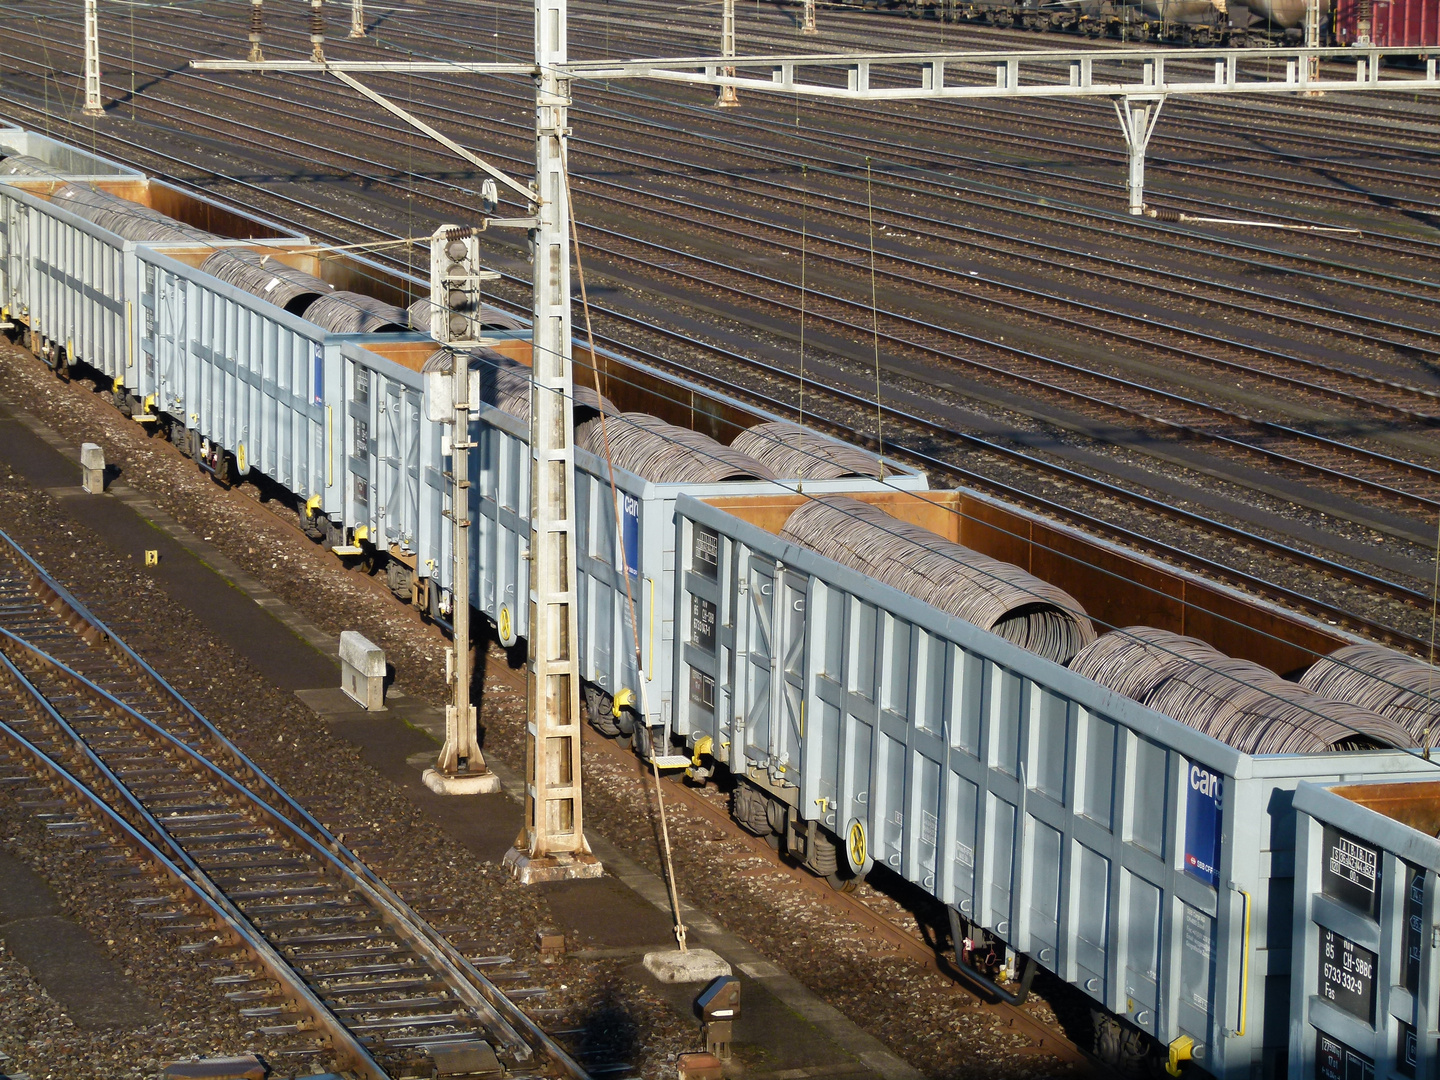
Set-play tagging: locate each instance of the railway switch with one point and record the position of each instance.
(719, 1008)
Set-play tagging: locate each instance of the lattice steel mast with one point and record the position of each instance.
(93, 107)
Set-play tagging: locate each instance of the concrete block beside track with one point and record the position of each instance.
(362, 670)
(92, 468)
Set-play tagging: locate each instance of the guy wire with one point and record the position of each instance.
(875, 320)
(680, 928)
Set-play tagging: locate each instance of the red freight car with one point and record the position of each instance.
(1391, 23)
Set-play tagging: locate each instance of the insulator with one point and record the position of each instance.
(317, 30)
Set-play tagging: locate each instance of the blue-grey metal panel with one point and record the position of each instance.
(388, 444)
(1364, 964)
(608, 582)
(72, 162)
(71, 280)
(247, 375)
(1119, 848)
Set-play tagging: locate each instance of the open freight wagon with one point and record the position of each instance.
(637, 544)
(244, 376)
(1367, 932)
(1141, 861)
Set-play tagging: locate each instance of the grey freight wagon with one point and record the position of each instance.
(1367, 931)
(79, 289)
(1139, 860)
(639, 544)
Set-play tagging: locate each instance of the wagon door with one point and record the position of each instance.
(789, 680)
(770, 638)
(17, 258)
(755, 655)
(397, 466)
(164, 338)
(361, 445)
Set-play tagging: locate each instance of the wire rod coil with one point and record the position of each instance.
(267, 277)
(25, 165)
(649, 447)
(506, 384)
(1236, 701)
(995, 596)
(1398, 687)
(354, 313)
(797, 453)
(128, 219)
(491, 317)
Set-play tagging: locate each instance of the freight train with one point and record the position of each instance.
(893, 679)
(1206, 23)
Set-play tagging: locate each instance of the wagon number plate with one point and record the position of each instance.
(1347, 975)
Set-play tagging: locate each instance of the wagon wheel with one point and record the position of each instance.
(843, 881)
(62, 365)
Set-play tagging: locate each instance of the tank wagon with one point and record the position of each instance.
(1367, 931)
(235, 339)
(1061, 822)
(870, 710)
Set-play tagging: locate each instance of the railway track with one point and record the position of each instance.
(1332, 466)
(1187, 415)
(850, 393)
(311, 945)
(888, 148)
(906, 935)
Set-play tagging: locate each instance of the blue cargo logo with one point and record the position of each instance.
(630, 532)
(1202, 825)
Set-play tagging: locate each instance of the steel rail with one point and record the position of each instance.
(1299, 601)
(1256, 179)
(245, 936)
(1333, 475)
(1273, 376)
(1110, 154)
(345, 1045)
(1127, 220)
(974, 278)
(783, 194)
(1112, 222)
(473, 988)
(1032, 382)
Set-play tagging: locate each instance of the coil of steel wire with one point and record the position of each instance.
(1235, 701)
(128, 219)
(797, 453)
(649, 447)
(24, 165)
(994, 595)
(1398, 687)
(354, 313)
(266, 277)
